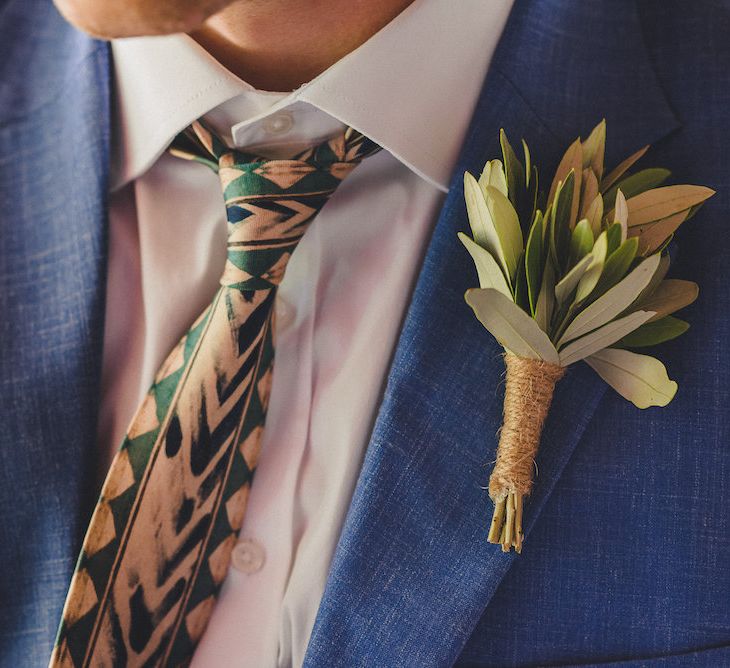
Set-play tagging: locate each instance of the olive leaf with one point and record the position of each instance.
(572, 162)
(534, 258)
(662, 202)
(670, 295)
(613, 302)
(636, 184)
(603, 337)
(489, 272)
(594, 149)
(510, 325)
(654, 333)
(641, 379)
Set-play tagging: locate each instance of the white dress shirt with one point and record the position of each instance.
(411, 88)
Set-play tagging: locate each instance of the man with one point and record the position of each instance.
(364, 536)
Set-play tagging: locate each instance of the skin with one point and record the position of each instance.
(272, 44)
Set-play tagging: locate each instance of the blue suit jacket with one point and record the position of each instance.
(627, 556)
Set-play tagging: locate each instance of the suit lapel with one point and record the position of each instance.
(413, 572)
(53, 163)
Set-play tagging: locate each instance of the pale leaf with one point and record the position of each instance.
(602, 337)
(621, 169)
(546, 298)
(482, 226)
(489, 272)
(570, 281)
(510, 325)
(493, 175)
(508, 227)
(594, 148)
(641, 379)
(621, 214)
(590, 278)
(656, 279)
(613, 302)
(663, 202)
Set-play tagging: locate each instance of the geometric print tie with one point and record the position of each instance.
(160, 539)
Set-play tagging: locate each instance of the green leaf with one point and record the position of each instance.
(613, 302)
(546, 299)
(482, 225)
(653, 284)
(514, 171)
(532, 194)
(510, 325)
(593, 273)
(572, 161)
(560, 232)
(601, 338)
(621, 169)
(567, 285)
(489, 272)
(654, 333)
(617, 265)
(637, 183)
(508, 227)
(521, 296)
(613, 237)
(581, 242)
(534, 260)
(641, 379)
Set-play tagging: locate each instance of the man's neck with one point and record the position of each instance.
(278, 45)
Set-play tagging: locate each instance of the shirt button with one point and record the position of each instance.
(278, 124)
(248, 556)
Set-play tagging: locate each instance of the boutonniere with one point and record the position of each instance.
(579, 275)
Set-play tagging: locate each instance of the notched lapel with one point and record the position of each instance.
(413, 572)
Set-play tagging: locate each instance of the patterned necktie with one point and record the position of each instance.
(159, 542)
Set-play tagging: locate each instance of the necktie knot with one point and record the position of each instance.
(270, 202)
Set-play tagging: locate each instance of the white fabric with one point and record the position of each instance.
(411, 88)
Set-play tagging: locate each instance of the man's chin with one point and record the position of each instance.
(110, 19)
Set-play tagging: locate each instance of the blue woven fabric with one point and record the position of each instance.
(628, 538)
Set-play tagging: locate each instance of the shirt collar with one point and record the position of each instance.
(411, 88)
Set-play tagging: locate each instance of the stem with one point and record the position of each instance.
(495, 530)
(529, 392)
(518, 523)
(509, 523)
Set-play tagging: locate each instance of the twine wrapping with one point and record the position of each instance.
(529, 392)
